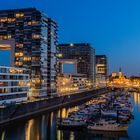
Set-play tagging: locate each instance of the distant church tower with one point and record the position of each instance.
(120, 73)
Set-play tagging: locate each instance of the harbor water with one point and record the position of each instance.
(44, 127)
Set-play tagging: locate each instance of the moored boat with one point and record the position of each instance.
(71, 123)
(103, 125)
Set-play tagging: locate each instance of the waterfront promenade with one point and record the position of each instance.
(12, 113)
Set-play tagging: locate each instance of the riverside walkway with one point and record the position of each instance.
(16, 112)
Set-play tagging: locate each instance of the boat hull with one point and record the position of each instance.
(109, 134)
(72, 127)
(108, 129)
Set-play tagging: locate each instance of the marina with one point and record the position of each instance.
(45, 127)
(109, 112)
(69, 70)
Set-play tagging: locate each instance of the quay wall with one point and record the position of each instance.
(17, 112)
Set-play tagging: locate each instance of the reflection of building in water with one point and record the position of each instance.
(65, 111)
(136, 98)
(62, 113)
(28, 129)
(43, 128)
(32, 130)
(3, 135)
(72, 109)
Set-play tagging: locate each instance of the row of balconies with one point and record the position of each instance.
(13, 96)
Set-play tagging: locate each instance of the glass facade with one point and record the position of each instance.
(85, 56)
(101, 65)
(35, 36)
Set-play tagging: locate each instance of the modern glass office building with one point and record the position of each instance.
(101, 65)
(84, 53)
(101, 70)
(31, 38)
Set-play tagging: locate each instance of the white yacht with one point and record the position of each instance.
(103, 125)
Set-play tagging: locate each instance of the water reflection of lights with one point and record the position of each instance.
(43, 126)
(31, 130)
(65, 111)
(72, 109)
(52, 116)
(3, 135)
(71, 135)
(136, 98)
(28, 129)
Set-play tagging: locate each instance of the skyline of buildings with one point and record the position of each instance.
(73, 32)
(30, 38)
(53, 77)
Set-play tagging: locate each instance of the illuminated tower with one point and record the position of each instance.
(120, 73)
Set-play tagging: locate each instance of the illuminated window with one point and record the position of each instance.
(17, 58)
(27, 58)
(35, 36)
(19, 63)
(33, 22)
(5, 37)
(21, 83)
(60, 55)
(12, 70)
(35, 58)
(19, 54)
(19, 45)
(19, 15)
(11, 20)
(30, 23)
(9, 36)
(3, 19)
(36, 81)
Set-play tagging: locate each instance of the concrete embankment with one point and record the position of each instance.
(17, 112)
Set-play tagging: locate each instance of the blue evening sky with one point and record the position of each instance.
(111, 26)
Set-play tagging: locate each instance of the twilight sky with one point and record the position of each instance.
(111, 26)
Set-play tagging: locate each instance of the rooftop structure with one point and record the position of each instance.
(84, 54)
